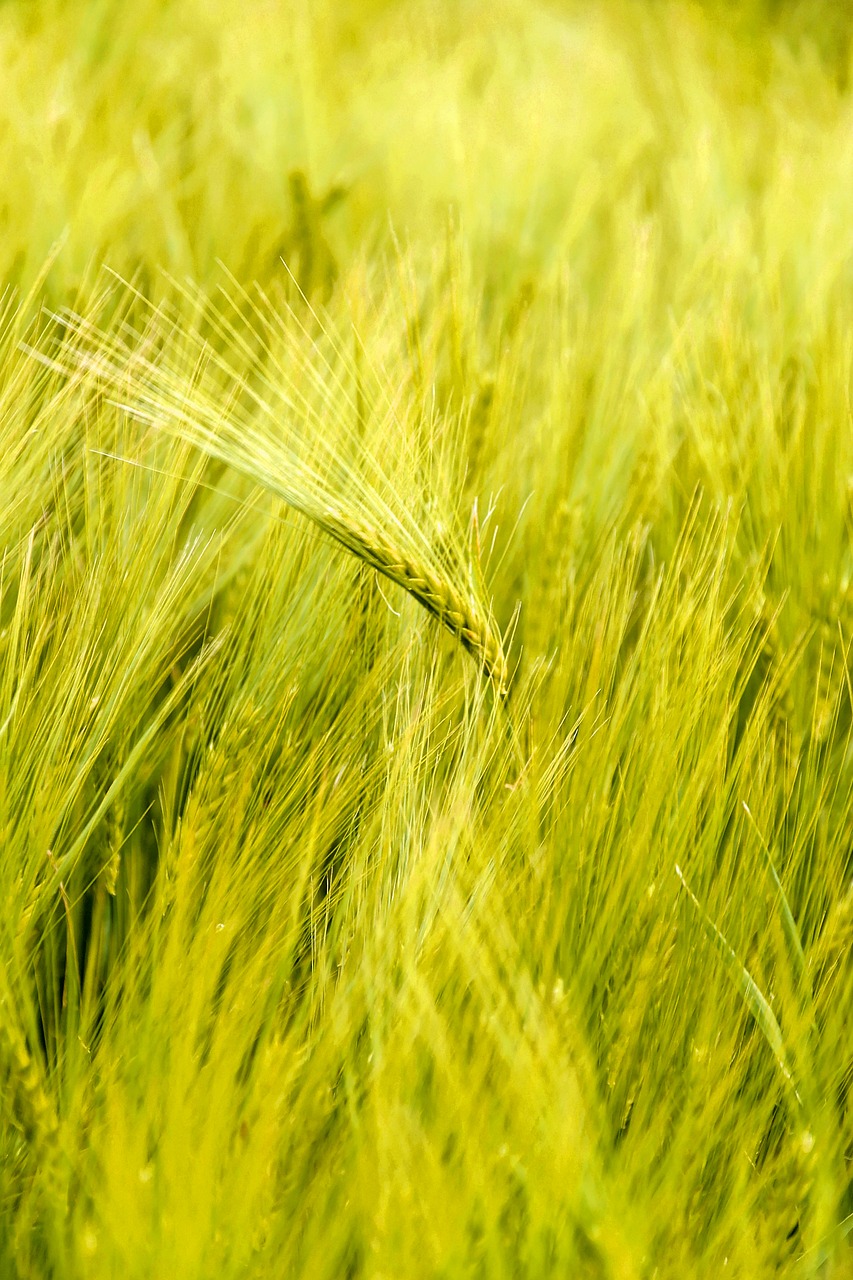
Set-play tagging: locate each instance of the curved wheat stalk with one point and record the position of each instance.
(270, 417)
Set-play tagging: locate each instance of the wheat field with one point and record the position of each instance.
(426, 595)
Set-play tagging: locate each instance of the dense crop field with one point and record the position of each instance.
(426, 598)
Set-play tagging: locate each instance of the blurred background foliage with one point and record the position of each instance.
(174, 135)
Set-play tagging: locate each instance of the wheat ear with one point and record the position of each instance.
(439, 597)
(27, 1098)
(153, 391)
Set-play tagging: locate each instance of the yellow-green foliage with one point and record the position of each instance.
(321, 953)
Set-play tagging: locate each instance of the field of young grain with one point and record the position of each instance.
(426, 598)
